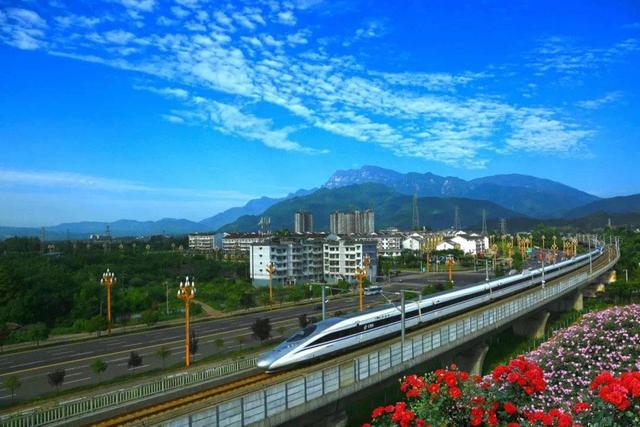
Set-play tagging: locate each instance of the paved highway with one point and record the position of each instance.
(32, 366)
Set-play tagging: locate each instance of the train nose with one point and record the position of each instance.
(263, 363)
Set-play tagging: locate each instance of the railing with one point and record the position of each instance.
(271, 402)
(64, 411)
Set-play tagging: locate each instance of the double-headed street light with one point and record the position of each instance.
(108, 280)
(186, 293)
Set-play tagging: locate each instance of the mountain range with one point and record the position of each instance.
(522, 199)
(528, 195)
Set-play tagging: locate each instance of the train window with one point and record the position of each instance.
(302, 334)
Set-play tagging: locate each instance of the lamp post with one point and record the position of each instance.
(186, 293)
(403, 311)
(362, 273)
(270, 269)
(108, 280)
(450, 263)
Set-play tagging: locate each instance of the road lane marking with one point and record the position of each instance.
(76, 381)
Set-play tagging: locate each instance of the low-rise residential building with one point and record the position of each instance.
(239, 244)
(413, 242)
(202, 242)
(296, 260)
(341, 256)
(467, 243)
(389, 243)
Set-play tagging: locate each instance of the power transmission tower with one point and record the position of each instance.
(265, 224)
(503, 226)
(484, 222)
(415, 221)
(456, 219)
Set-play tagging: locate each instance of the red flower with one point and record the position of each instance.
(454, 392)
(581, 407)
(510, 408)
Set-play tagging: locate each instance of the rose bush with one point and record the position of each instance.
(567, 382)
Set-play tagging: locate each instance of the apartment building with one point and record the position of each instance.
(341, 256)
(204, 242)
(296, 260)
(356, 222)
(303, 222)
(239, 244)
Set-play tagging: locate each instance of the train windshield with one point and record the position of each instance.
(302, 334)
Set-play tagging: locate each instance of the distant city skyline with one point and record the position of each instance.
(142, 109)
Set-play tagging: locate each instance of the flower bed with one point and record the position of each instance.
(608, 340)
(585, 375)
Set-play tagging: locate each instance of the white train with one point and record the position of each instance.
(340, 334)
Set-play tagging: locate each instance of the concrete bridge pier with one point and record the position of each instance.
(572, 301)
(472, 359)
(532, 326)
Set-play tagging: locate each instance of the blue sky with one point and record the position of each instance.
(145, 109)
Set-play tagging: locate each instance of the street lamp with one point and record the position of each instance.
(186, 293)
(270, 269)
(362, 273)
(108, 280)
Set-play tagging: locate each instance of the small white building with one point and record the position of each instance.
(413, 242)
(468, 243)
(202, 242)
(447, 245)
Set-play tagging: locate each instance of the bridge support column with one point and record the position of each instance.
(471, 360)
(532, 326)
(573, 301)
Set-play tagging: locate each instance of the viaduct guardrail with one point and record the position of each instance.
(64, 411)
(327, 382)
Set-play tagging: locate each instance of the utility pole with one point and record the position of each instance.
(324, 303)
(486, 270)
(402, 316)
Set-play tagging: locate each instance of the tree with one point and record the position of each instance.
(37, 332)
(98, 366)
(193, 342)
(12, 383)
(163, 352)
(303, 320)
(150, 317)
(56, 378)
(97, 324)
(261, 329)
(134, 361)
(386, 269)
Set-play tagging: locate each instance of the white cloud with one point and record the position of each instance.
(72, 180)
(237, 63)
(562, 56)
(594, 104)
(139, 5)
(287, 17)
(22, 28)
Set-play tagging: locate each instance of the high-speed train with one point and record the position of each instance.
(340, 334)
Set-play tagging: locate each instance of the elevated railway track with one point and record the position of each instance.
(282, 396)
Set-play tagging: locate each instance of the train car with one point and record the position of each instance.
(341, 334)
